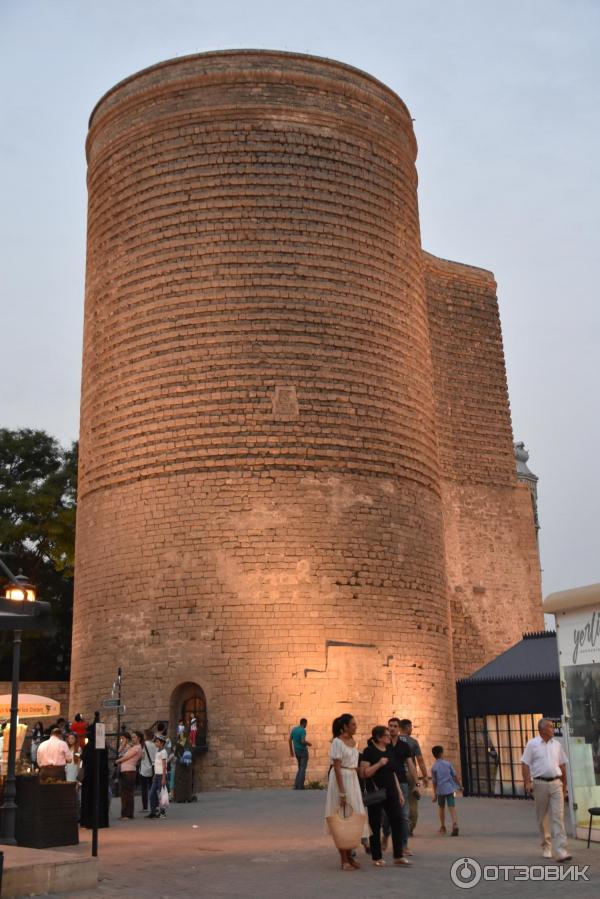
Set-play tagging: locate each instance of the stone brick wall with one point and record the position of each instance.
(261, 503)
(492, 558)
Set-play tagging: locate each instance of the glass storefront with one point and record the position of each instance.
(494, 746)
(582, 702)
(578, 632)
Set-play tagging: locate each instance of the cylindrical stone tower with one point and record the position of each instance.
(259, 521)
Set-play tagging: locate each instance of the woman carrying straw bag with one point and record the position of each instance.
(345, 814)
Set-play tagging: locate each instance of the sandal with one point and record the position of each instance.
(354, 863)
(380, 863)
(402, 861)
(348, 867)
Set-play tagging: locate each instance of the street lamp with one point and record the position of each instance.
(19, 610)
(20, 591)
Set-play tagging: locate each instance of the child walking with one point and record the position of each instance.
(444, 781)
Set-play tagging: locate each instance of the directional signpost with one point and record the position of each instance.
(117, 686)
(114, 705)
(99, 744)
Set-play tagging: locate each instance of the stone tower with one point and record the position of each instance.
(270, 501)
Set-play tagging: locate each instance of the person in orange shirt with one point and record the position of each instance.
(79, 727)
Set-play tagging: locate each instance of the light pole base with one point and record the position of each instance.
(8, 820)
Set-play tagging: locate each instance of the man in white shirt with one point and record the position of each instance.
(52, 756)
(545, 775)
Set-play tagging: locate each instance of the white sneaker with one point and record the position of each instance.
(565, 857)
(547, 853)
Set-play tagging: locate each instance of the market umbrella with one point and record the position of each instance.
(30, 706)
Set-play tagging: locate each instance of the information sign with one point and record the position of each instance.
(100, 736)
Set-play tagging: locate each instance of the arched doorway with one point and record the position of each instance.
(188, 701)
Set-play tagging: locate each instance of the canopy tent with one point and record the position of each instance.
(30, 706)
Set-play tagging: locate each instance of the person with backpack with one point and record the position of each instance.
(147, 767)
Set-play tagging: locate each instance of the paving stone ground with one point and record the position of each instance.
(270, 843)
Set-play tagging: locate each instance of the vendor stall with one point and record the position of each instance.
(30, 706)
(578, 632)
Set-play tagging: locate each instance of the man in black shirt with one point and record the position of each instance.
(402, 760)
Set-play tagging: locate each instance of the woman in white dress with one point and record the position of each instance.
(343, 787)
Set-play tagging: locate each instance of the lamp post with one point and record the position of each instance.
(19, 599)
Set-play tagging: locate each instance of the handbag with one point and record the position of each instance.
(346, 827)
(373, 797)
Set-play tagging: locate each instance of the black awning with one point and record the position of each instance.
(523, 680)
(536, 655)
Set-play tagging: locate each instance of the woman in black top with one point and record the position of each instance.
(379, 774)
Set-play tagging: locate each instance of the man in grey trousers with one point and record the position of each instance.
(543, 764)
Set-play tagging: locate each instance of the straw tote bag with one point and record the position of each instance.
(346, 827)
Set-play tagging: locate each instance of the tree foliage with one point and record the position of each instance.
(38, 484)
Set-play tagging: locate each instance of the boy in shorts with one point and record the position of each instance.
(444, 781)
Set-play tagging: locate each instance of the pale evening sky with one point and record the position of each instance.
(506, 102)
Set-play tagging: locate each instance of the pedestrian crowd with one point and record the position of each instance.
(66, 752)
(374, 793)
(380, 785)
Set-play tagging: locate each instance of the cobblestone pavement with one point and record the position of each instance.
(270, 843)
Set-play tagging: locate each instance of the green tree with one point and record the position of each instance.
(38, 483)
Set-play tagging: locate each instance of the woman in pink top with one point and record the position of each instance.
(128, 763)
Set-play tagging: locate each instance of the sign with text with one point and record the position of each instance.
(100, 736)
(578, 635)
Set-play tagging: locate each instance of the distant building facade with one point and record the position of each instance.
(297, 489)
